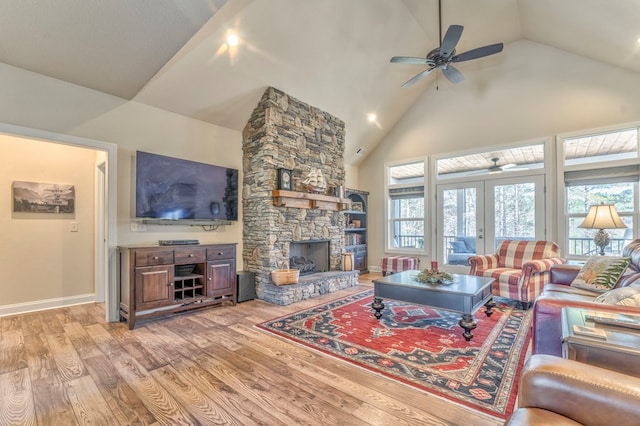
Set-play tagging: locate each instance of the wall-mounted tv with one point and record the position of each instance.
(172, 188)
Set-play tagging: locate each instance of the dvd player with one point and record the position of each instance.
(178, 242)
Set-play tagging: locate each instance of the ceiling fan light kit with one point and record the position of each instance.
(442, 57)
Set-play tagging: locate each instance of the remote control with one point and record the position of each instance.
(620, 322)
(598, 333)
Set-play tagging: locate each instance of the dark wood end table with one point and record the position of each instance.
(619, 350)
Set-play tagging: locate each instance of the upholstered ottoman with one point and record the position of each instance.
(391, 264)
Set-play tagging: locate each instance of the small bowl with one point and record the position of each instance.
(182, 270)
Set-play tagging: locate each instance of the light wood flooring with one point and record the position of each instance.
(68, 367)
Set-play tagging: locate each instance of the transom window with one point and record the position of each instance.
(507, 160)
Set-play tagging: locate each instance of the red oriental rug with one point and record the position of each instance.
(421, 346)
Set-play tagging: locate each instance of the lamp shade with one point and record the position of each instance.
(602, 216)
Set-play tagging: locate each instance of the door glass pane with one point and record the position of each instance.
(459, 224)
(515, 212)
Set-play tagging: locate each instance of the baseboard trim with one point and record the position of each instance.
(43, 305)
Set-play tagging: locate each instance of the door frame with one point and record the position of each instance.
(485, 231)
(109, 246)
(101, 267)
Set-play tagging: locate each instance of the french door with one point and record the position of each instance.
(474, 217)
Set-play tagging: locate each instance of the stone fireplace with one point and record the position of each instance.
(284, 132)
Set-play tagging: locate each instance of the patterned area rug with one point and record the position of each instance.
(421, 346)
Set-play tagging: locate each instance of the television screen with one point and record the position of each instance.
(172, 188)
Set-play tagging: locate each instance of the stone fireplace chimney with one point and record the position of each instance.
(284, 132)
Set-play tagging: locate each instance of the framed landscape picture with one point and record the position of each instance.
(36, 197)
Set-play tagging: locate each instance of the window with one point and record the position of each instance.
(600, 168)
(580, 197)
(405, 186)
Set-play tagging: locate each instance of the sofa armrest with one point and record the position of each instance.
(563, 274)
(481, 262)
(541, 265)
(586, 394)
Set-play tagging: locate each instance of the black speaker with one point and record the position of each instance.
(246, 286)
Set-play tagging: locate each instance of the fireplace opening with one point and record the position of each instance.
(309, 256)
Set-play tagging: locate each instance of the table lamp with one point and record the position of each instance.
(602, 216)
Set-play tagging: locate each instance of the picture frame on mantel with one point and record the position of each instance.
(285, 179)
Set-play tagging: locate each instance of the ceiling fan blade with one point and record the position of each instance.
(411, 60)
(450, 40)
(452, 74)
(418, 77)
(478, 53)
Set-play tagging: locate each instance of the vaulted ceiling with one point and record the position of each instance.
(333, 54)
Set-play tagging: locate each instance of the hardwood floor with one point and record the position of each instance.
(68, 366)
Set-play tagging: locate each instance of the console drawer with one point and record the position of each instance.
(223, 251)
(154, 257)
(190, 255)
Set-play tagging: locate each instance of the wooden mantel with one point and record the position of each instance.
(304, 200)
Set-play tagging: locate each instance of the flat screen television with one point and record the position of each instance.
(172, 189)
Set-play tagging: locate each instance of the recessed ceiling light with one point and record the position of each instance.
(232, 39)
(372, 117)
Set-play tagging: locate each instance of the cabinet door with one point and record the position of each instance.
(154, 286)
(221, 277)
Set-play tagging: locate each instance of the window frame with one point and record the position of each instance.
(546, 228)
(564, 216)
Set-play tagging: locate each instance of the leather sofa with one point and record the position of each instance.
(547, 328)
(556, 391)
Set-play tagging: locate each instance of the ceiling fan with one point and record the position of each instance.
(442, 57)
(495, 168)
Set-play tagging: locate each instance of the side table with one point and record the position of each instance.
(619, 351)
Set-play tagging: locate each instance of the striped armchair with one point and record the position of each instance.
(521, 268)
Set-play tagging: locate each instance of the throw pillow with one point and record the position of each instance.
(459, 247)
(626, 296)
(600, 273)
(469, 242)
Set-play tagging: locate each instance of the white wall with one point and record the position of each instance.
(530, 91)
(351, 177)
(35, 101)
